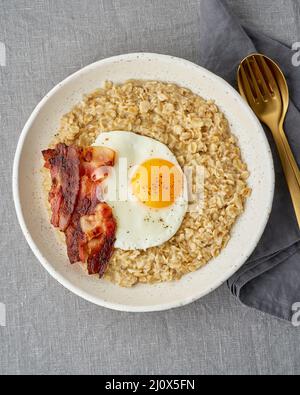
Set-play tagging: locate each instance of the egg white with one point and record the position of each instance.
(139, 227)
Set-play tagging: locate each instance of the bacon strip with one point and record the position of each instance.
(91, 228)
(99, 237)
(64, 165)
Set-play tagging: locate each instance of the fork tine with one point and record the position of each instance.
(258, 92)
(247, 91)
(260, 76)
(271, 81)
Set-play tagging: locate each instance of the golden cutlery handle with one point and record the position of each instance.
(290, 176)
(290, 154)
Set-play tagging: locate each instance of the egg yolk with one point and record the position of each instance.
(157, 183)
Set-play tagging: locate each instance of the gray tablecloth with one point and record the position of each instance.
(49, 330)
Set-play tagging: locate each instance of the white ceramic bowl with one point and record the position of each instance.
(29, 198)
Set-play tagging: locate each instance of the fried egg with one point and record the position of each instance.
(146, 189)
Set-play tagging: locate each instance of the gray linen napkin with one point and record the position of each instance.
(270, 280)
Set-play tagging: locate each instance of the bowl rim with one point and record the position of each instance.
(60, 278)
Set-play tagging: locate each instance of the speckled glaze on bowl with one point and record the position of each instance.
(29, 198)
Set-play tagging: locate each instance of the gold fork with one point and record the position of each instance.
(258, 86)
(284, 92)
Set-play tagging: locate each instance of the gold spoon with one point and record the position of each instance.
(257, 84)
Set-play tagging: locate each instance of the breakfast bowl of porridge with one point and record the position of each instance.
(143, 182)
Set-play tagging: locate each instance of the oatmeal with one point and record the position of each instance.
(198, 134)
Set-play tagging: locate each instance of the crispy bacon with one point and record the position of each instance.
(99, 231)
(95, 159)
(89, 225)
(91, 234)
(64, 165)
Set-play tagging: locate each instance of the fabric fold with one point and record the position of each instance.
(270, 280)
